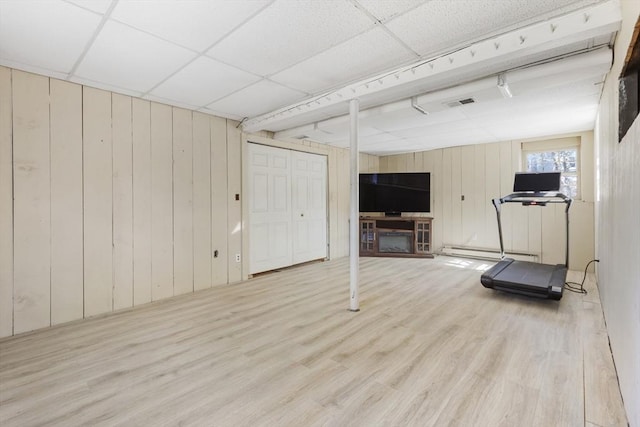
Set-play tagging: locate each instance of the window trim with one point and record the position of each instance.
(555, 145)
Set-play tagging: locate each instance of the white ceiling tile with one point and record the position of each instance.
(389, 9)
(288, 32)
(367, 54)
(32, 32)
(435, 129)
(380, 138)
(410, 119)
(342, 134)
(365, 141)
(131, 59)
(204, 81)
(100, 6)
(441, 26)
(257, 99)
(459, 135)
(193, 24)
(561, 119)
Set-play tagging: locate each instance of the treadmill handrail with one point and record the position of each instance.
(530, 198)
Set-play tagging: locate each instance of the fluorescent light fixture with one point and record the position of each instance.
(414, 104)
(503, 86)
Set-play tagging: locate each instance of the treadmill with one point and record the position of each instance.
(524, 277)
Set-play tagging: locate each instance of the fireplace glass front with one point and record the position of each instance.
(398, 242)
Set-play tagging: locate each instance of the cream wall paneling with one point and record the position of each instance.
(201, 202)
(483, 172)
(66, 202)
(343, 200)
(287, 193)
(32, 202)
(492, 190)
(141, 153)
(98, 207)
(109, 201)
(469, 229)
(6, 204)
(182, 201)
(88, 189)
(122, 202)
(332, 181)
(161, 202)
(234, 207)
(432, 162)
(219, 202)
(618, 225)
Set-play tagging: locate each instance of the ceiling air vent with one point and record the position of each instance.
(460, 102)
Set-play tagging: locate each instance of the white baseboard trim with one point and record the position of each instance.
(485, 253)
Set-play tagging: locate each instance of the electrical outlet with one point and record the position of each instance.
(237, 257)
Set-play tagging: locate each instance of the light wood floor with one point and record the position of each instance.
(431, 346)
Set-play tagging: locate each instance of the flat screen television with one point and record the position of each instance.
(395, 193)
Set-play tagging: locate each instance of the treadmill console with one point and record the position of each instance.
(536, 182)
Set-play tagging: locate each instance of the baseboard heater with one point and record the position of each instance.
(485, 253)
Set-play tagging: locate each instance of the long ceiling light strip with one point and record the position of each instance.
(596, 62)
(599, 19)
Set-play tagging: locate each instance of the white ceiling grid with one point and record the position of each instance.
(439, 26)
(30, 36)
(245, 58)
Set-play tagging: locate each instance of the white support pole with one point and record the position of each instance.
(354, 240)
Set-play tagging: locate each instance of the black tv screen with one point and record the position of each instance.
(394, 193)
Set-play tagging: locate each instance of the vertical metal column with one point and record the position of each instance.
(354, 238)
(497, 204)
(566, 212)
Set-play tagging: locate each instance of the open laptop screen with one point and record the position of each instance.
(536, 181)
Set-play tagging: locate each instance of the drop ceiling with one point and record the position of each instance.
(247, 60)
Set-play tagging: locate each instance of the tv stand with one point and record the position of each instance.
(395, 236)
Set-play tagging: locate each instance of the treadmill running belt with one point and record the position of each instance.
(528, 274)
(527, 278)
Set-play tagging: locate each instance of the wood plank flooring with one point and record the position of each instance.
(430, 347)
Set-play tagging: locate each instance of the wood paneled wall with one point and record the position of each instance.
(6, 204)
(479, 173)
(618, 223)
(108, 201)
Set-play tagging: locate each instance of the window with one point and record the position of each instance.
(629, 86)
(556, 156)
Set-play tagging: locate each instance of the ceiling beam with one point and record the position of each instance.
(583, 24)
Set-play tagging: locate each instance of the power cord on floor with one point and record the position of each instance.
(579, 287)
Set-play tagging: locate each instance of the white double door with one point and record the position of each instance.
(287, 207)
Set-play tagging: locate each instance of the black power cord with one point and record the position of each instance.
(579, 287)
